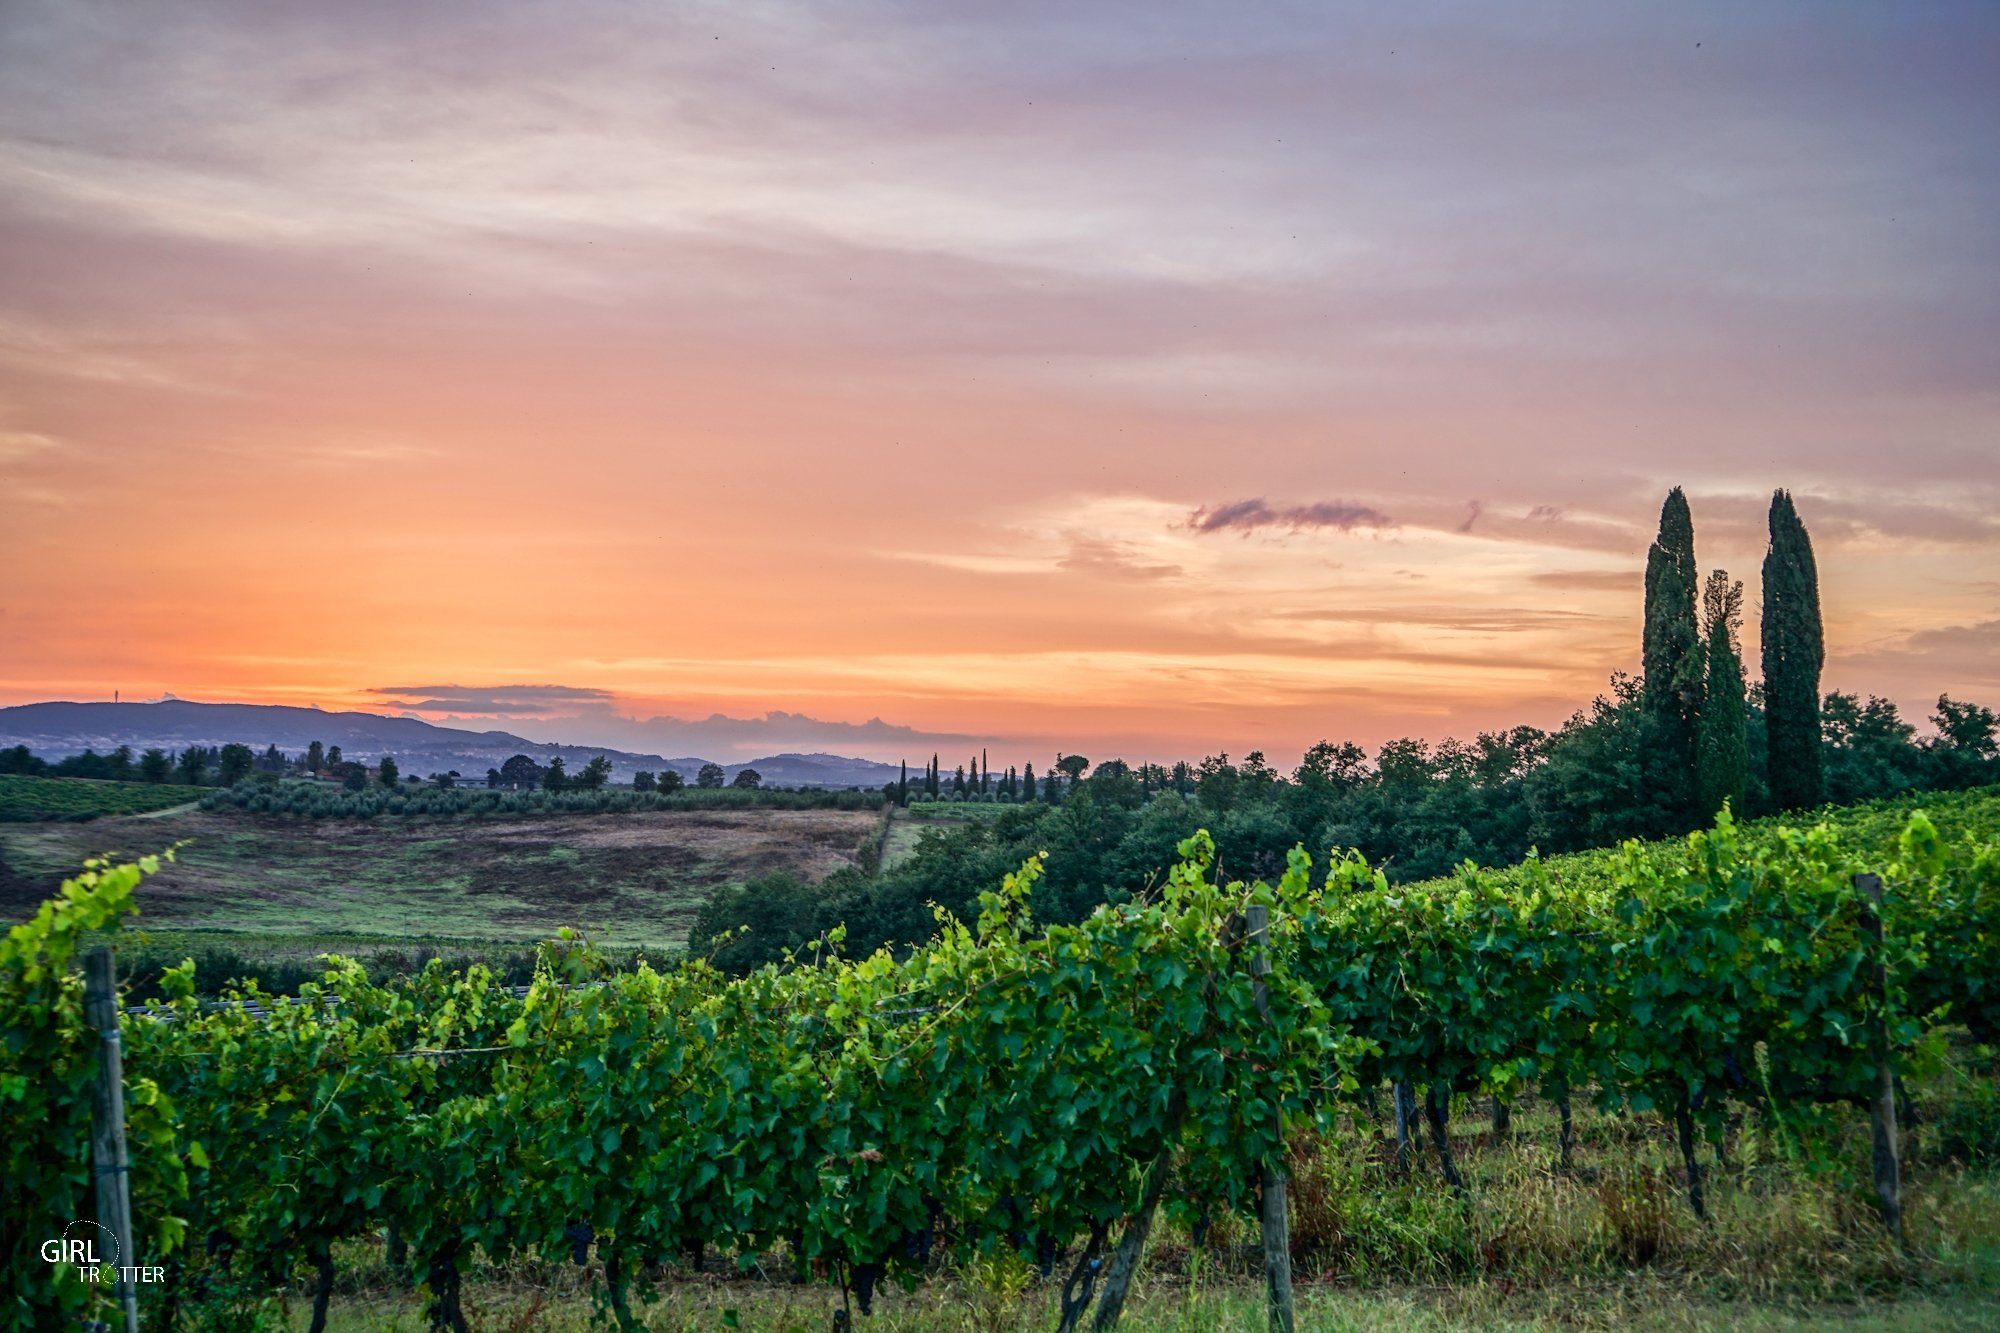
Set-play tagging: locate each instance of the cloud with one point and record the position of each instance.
(1112, 559)
(494, 700)
(733, 738)
(1249, 515)
(1473, 509)
(16, 445)
(1588, 580)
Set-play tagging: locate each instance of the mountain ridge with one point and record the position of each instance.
(55, 728)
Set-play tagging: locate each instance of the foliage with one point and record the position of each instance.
(1671, 692)
(1010, 1088)
(1722, 760)
(303, 800)
(1015, 1085)
(26, 799)
(48, 1059)
(1794, 647)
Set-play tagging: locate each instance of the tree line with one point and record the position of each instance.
(1652, 757)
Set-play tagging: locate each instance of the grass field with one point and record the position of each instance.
(631, 879)
(25, 799)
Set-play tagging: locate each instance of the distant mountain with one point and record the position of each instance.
(56, 730)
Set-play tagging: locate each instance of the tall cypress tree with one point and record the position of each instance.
(1722, 765)
(903, 785)
(1670, 694)
(1027, 782)
(1794, 653)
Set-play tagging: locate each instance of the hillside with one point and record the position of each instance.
(56, 729)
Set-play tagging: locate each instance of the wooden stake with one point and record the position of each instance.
(1882, 1110)
(107, 1125)
(1277, 1224)
(1406, 1118)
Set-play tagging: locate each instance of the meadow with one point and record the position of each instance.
(273, 886)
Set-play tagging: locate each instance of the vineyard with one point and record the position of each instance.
(1006, 1090)
(299, 800)
(27, 799)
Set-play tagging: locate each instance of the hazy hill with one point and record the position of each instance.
(54, 730)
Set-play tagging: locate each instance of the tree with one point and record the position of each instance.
(931, 779)
(1027, 782)
(958, 781)
(445, 781)
(553, 777)
(1672, 685)
(1326, 767)
(1870, 751)
(235, 765)
(672, 781)
(521, 773)
(356, 779)
(493, 779)
(154, 766)
(315, 757)
(595, 774)
(120, 764)
(388, 774)
(1966, 750)
(193, 765)
(20, 760)
(644, 781)
(710, 775)
(1794, 654)
(1722, 763)
(333, 760)
(749, 779)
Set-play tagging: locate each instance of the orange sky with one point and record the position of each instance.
(884, 368)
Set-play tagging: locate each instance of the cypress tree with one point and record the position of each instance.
(903, 785)
(1794, 653)
(1722, 766)
(1027, 782)
(1670, 694)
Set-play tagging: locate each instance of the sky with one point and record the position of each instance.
(1139, 379)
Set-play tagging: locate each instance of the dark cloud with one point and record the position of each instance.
(1250, 515)
(1473, 509)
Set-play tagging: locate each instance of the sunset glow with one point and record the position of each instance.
(1148, 380)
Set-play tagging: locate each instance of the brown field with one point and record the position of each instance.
(635, 878)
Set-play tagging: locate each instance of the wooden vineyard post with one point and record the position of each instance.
(1882, 1110)
(109, 1164)
(1277, 1227)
